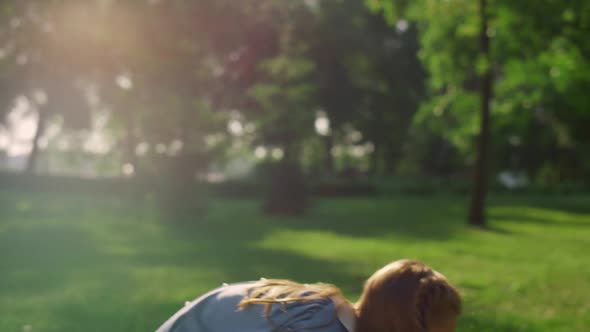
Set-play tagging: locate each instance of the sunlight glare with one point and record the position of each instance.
(128, 169)
(260, 152)
(142, 149)
(22, 125)
(235, 127)
(401, 26)
(22, 59)
(40, 97)
(96, 144)
(175, 147)
(355, 136)
(358, 151)
(124, 82)
(322, 124)
(277, 153)
(15, 22)
(4, 140)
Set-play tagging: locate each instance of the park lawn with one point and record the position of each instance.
(73, 262)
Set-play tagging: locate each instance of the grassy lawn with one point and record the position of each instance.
(99, 263)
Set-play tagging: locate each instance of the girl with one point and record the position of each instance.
(404, 296)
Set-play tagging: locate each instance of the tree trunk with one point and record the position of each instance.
(33, 157)
(480, 174)
(291, 150)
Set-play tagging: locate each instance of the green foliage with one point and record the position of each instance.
(539, 60)
(391, 10)
(370, 79)
(402, 73)
(285, 94)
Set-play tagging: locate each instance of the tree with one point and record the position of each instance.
(369, 78)
(542, 71)
(480, 177)
(37, 68)
(537, 54)
(286, 96)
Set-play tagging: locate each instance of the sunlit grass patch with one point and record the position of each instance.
(96, 263)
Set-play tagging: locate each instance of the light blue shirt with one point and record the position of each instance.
(217, 311)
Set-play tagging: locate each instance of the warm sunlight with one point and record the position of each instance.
(21, 128)
(152, 151)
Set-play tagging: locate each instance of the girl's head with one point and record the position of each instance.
(408, 296)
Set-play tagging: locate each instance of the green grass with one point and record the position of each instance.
(99, 263)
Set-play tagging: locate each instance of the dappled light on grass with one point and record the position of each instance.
(97, 262)
(500, 272)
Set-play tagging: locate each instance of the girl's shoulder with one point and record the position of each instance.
(218, 310)
(221, 300)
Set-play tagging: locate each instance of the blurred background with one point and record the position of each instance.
(153, 149)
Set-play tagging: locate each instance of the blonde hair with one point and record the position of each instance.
(404, 296)
(272, 291)
(407, 296)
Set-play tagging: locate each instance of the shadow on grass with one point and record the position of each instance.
(223, 243)
(436, 218)
(36, 259)
(96, 266)
(228, 256)
(427, 218)
(494, 229)
(535, 215)
(578, 204)
(543, 208)
(77, 260)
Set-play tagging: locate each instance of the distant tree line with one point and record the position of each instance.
(384, 87)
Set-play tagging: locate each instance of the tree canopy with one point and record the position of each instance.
(387, 87)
